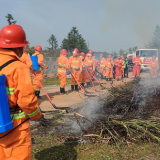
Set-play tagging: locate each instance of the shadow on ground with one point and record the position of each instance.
(64, 151)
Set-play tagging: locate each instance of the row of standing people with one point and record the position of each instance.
(113, 69)
(82, 69)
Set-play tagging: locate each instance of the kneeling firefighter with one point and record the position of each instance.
(75, 66)
(39, 72)
(62, 63)
(15, 143)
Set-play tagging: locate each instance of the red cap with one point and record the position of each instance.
(83, 54)
(90, 51)
(38, 48)
(109, 56)
(101, 54)
(64, 51)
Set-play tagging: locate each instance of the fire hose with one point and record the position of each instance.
(54, 106)
(97, 80)
(89, 77)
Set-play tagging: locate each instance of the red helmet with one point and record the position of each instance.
(38, 48)
(12, 36)
(101, 54)
(75, 50)
(153, 56)
(121, 56)
(64, 52)
(83, 54)
(109, 56)
(90, 51)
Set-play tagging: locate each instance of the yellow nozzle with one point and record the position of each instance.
(0, 73)
(64, 111)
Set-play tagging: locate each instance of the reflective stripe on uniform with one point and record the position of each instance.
(61, 64)
(75, 67)
(44, 65)
(10, 90)
(18, 115)
(33, 113)
(61, 70)
(37, 89)
(90, 61)
(76, 61)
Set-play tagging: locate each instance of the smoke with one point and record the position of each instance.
(88, 110)
(140, 14)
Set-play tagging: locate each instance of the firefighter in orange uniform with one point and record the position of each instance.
(62, 63)
(83, 76)
(22, 101)
(25, 58)
(75, 67)
(136, 67)
(102, 65)
(122, 67)
(153, 67)
(118, 67)
(38, 73)
(109, 68)
(90, 64)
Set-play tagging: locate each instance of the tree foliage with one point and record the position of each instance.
(10, 19)
(53, 42)
(31, 50)
(154, 43)
(74, 40)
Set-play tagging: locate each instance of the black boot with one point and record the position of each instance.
(37, 93)
(106, 79)
(109, 79)
(101, 76)
(64, 91)
(76, 87)
(82, 85)
(72, 87)
(61, 90)
(88, 84)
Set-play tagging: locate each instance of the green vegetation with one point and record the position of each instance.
(53, 81)
(53, 42)
(10, 19)
(74, 40)
(49, 147)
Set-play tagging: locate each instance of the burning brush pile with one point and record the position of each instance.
(130, 112)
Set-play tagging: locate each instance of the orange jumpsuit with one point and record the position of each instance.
(118, 66)
(102, 66)
(39, 73)
(83, 75)
(137, 67)
(109, 68)
(75, 64)
(17, 144)
(90, 64)
(62, 62)
(153, 67)
(122, 67)
(26, 59)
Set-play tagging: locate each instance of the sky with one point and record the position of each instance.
(107, 25)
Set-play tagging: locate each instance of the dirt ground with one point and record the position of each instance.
(74, 99)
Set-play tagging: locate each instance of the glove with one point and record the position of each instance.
(43, 121)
